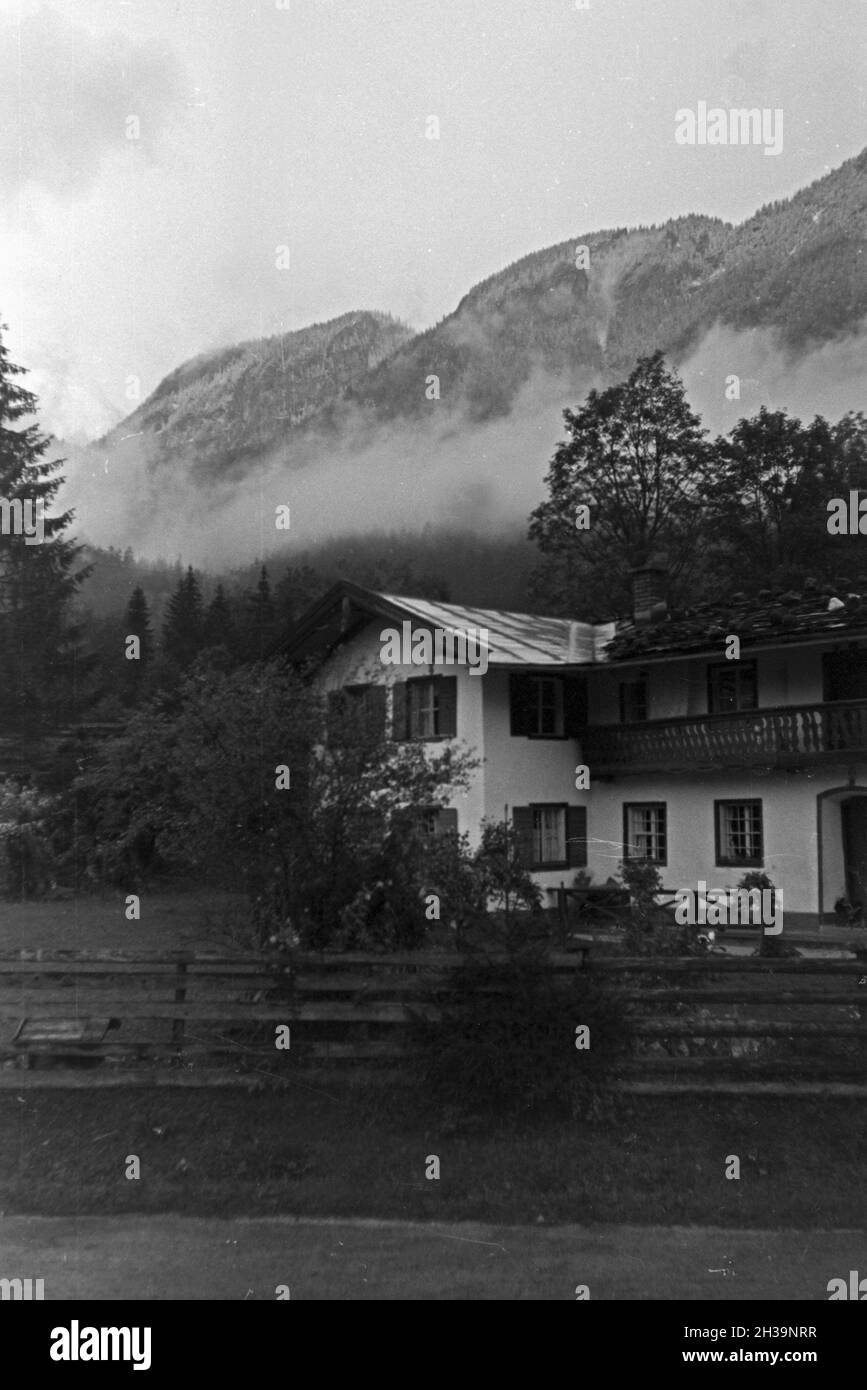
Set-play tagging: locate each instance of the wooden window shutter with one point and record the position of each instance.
(447, 706)
(522, 822)
(447, 821)
(334, 707)
(574, 705)
(521, 705)
(374, 697)
(576, 836)
(399, 712)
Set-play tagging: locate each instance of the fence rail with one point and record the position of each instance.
(185, 1016)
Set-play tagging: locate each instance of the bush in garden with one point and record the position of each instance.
(506, 1041)
(648, 931)
(26, 856)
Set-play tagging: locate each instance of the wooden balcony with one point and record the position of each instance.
(787, 736)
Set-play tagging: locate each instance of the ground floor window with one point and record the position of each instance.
(551, 835)
(739, 837)
(644, 831)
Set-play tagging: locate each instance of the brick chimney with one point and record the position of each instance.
(649, 583)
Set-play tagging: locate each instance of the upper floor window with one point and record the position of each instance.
(425, 708)
(633, 699)
(546, 706)
(361, 705)
(731, 686)
(845, 674)
(645, 831)
(433, 821)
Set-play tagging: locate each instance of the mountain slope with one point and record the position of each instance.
(224, 408)
(345, 402)
(798, 267)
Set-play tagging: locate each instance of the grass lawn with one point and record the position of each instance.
(198, 919)
(344, 1150)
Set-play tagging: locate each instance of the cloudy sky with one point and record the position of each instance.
(155, 153)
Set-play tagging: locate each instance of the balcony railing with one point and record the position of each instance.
(786, 736)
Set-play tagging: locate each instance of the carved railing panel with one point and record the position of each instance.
(782, 737)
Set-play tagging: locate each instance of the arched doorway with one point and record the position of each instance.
(842, 823)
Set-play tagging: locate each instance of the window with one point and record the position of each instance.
(845, 674)
(439, 820)
(633, 700)
(731, 685)
(422, 709)
(425, 708)
(434, 821)
(547, 706)
(739, 838)
(644, 831)
(551, 836)
(361, 705)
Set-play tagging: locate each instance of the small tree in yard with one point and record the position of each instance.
(242, 779)
(644, 935)
(504, 884)
(513, 1040)
(26, 856)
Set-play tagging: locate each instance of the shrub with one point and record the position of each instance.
(26, 857)
(648, 933)
(506, 1042)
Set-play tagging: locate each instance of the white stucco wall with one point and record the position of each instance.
(522, 770)
(790, 817)
(357, 661)
(518, 771)
(679, 687)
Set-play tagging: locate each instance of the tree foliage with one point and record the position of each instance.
(41, 661)
(634, 456)
(241, 780)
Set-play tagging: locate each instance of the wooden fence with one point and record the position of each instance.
(712, 1022)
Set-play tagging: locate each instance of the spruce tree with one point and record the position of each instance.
(137, 623)
(183, 629)
(40, 662)
(261, 620)
(219, 623)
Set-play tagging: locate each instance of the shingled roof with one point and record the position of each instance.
(778, 616)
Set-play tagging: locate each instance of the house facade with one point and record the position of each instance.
(714, 743)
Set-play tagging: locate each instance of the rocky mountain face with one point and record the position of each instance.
(224, 408)
(354, 394)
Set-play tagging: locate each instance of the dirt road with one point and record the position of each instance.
(174, 1257)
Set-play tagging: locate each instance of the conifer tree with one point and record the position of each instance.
(220, 623)
(184, 626)
(261, 620)
(137, 623)
(40, 661)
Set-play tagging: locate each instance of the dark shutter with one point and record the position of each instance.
(374, 698)
(399, 730)
(574, 706)
(576, 836)
(522, 822)
(334, 708)
(446, 821)
(521, 706)
(447, 706)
